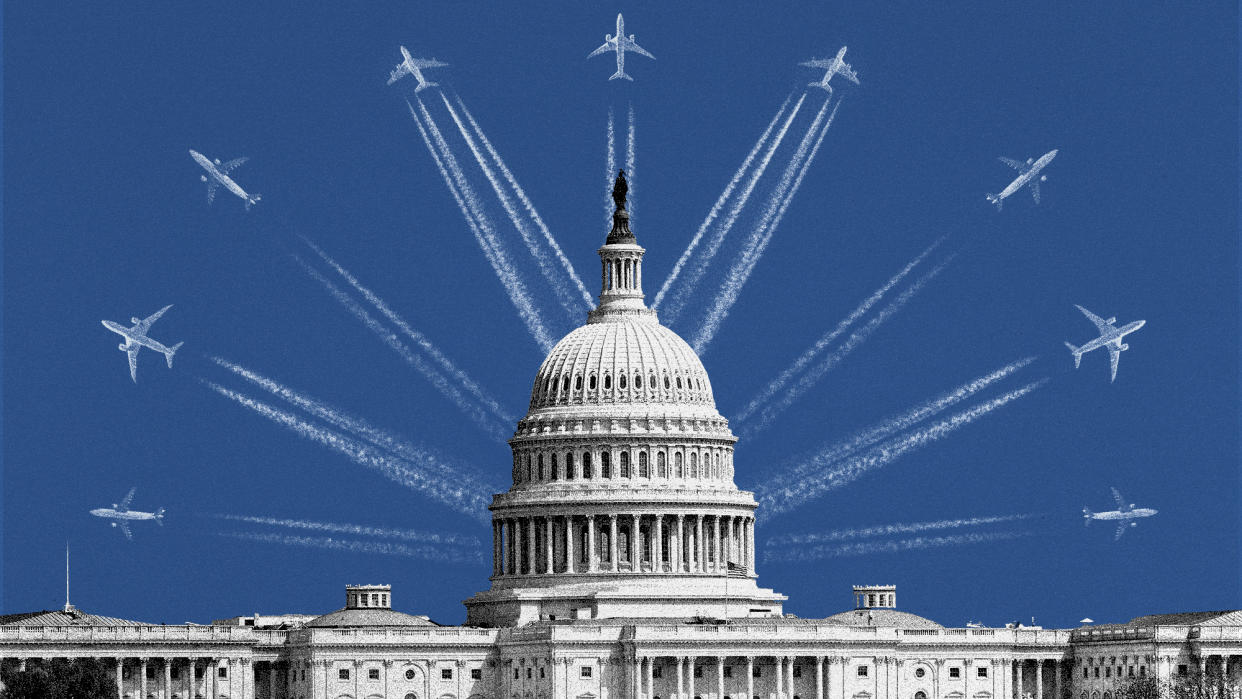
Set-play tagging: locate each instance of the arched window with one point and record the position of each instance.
(577, 383)
(410, 695)
(555, 471)
(625, 464)
(565, 384)
(653, 383)
(638, 380)
(605, 465)
(679, 383)
(583, 544)
(623, 545)
(605, 552)
(530, 476)
(621, 381)
(592, 382)
(677, 470)
(643, 470)
(569, 466)
(666, 383)
(661, 466)
(607, 382)
(586, 466)
(694, 465)
(541, 467)
(920, 694)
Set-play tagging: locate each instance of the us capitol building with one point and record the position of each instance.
(623, 567)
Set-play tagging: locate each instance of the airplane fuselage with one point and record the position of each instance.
(109, 513)
(1136, 513)
(1111, 336)
(1027, 176)
(218, 176)
(133, 338)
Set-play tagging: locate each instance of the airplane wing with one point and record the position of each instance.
(1121, 529)
(1034, 186)
(1100, 323)
(1114, 356)
(212, 186)
(124, 527)
(428, 63)
(610, 45)
(1013, 163)
(129, 497)
(231, 165)
(145, 325)
(848, 73)
(133, 367)
(631, 46)
(398, 73)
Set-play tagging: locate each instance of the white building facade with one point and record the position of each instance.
(623, 568)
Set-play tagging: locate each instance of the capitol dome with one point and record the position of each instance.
(623, 502)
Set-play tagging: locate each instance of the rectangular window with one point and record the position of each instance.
(1142, 671)
(955, 672)
(586, 672)
(198, 673)
(174, 673)
(515, 673)
(541, 673)
(125, 673)
(446, 674)
(342, 674)
(983, 672)
(698, 672)
(728, 672)
(150, 672)
(862, 670)
(222, 672)
(797, 670)
(1182, 670)
(756, 672)
(1097, 672)
(373, 674)
(476, 674)
(1108, 672)
(656, 672)
(528, 673)
(1084, 673)
(1130, 671)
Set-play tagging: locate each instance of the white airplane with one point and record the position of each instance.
(1121, 515)
(1110, 336)
(219, 175)
(136, 338)
(834, 66)
(620, 44)
(413, 66)
(122, 515)
(1026, 173)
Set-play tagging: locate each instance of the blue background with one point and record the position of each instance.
(105, 217)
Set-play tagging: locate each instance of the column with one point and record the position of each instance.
(247, 679)
(966, 677)
(720, 685)
(569, 543)
(750, 677)
(657, 544)
(167, 678)
(120, 675)
(636, 544)
(681, 678)
(1039, 678)
(1019, 693)
(515, 545)
(780, 678)
(716, 542)
(495, 548)
(591, 543)
(692, 663)
(636, 680)
(700, 548)
(387, 672)
(142, 676)
(750, 544)
(213, 667)
(613, 548)
(819, 677)
(271, 677)
(550, 568)
(679, 547)
(1056, 679)
(533, 561)
(650, 677)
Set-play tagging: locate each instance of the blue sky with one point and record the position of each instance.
(105, 217)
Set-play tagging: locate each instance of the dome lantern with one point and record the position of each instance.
(621, 258)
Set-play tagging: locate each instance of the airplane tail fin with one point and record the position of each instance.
(1086, 517)
(425, 85)
(620, 74)
(995, 200)
(168, 356)
(1077, 354)
(159, 516)
(253, 200)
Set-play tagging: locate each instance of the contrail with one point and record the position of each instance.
(355, 530)
(356, 426)
(866, 547)
(850, 469)
(427, 552)
(892, 529)
(800, 363)
(611, 174)
(451, 490)
(481, 227)
(831, 454)
(629, 164)
(855, 339)
(424, 343)
(715, 210)
(541, 257)
(678, 301)
(778, 203)
(486, 422)
(530, 208)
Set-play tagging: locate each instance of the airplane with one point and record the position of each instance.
(1026, 173)
(136, 338)
(834, 66)
(122, 515)
(219, 173)
(1110, 336)
(1121, 515)
(620, 43)
(413, 66)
